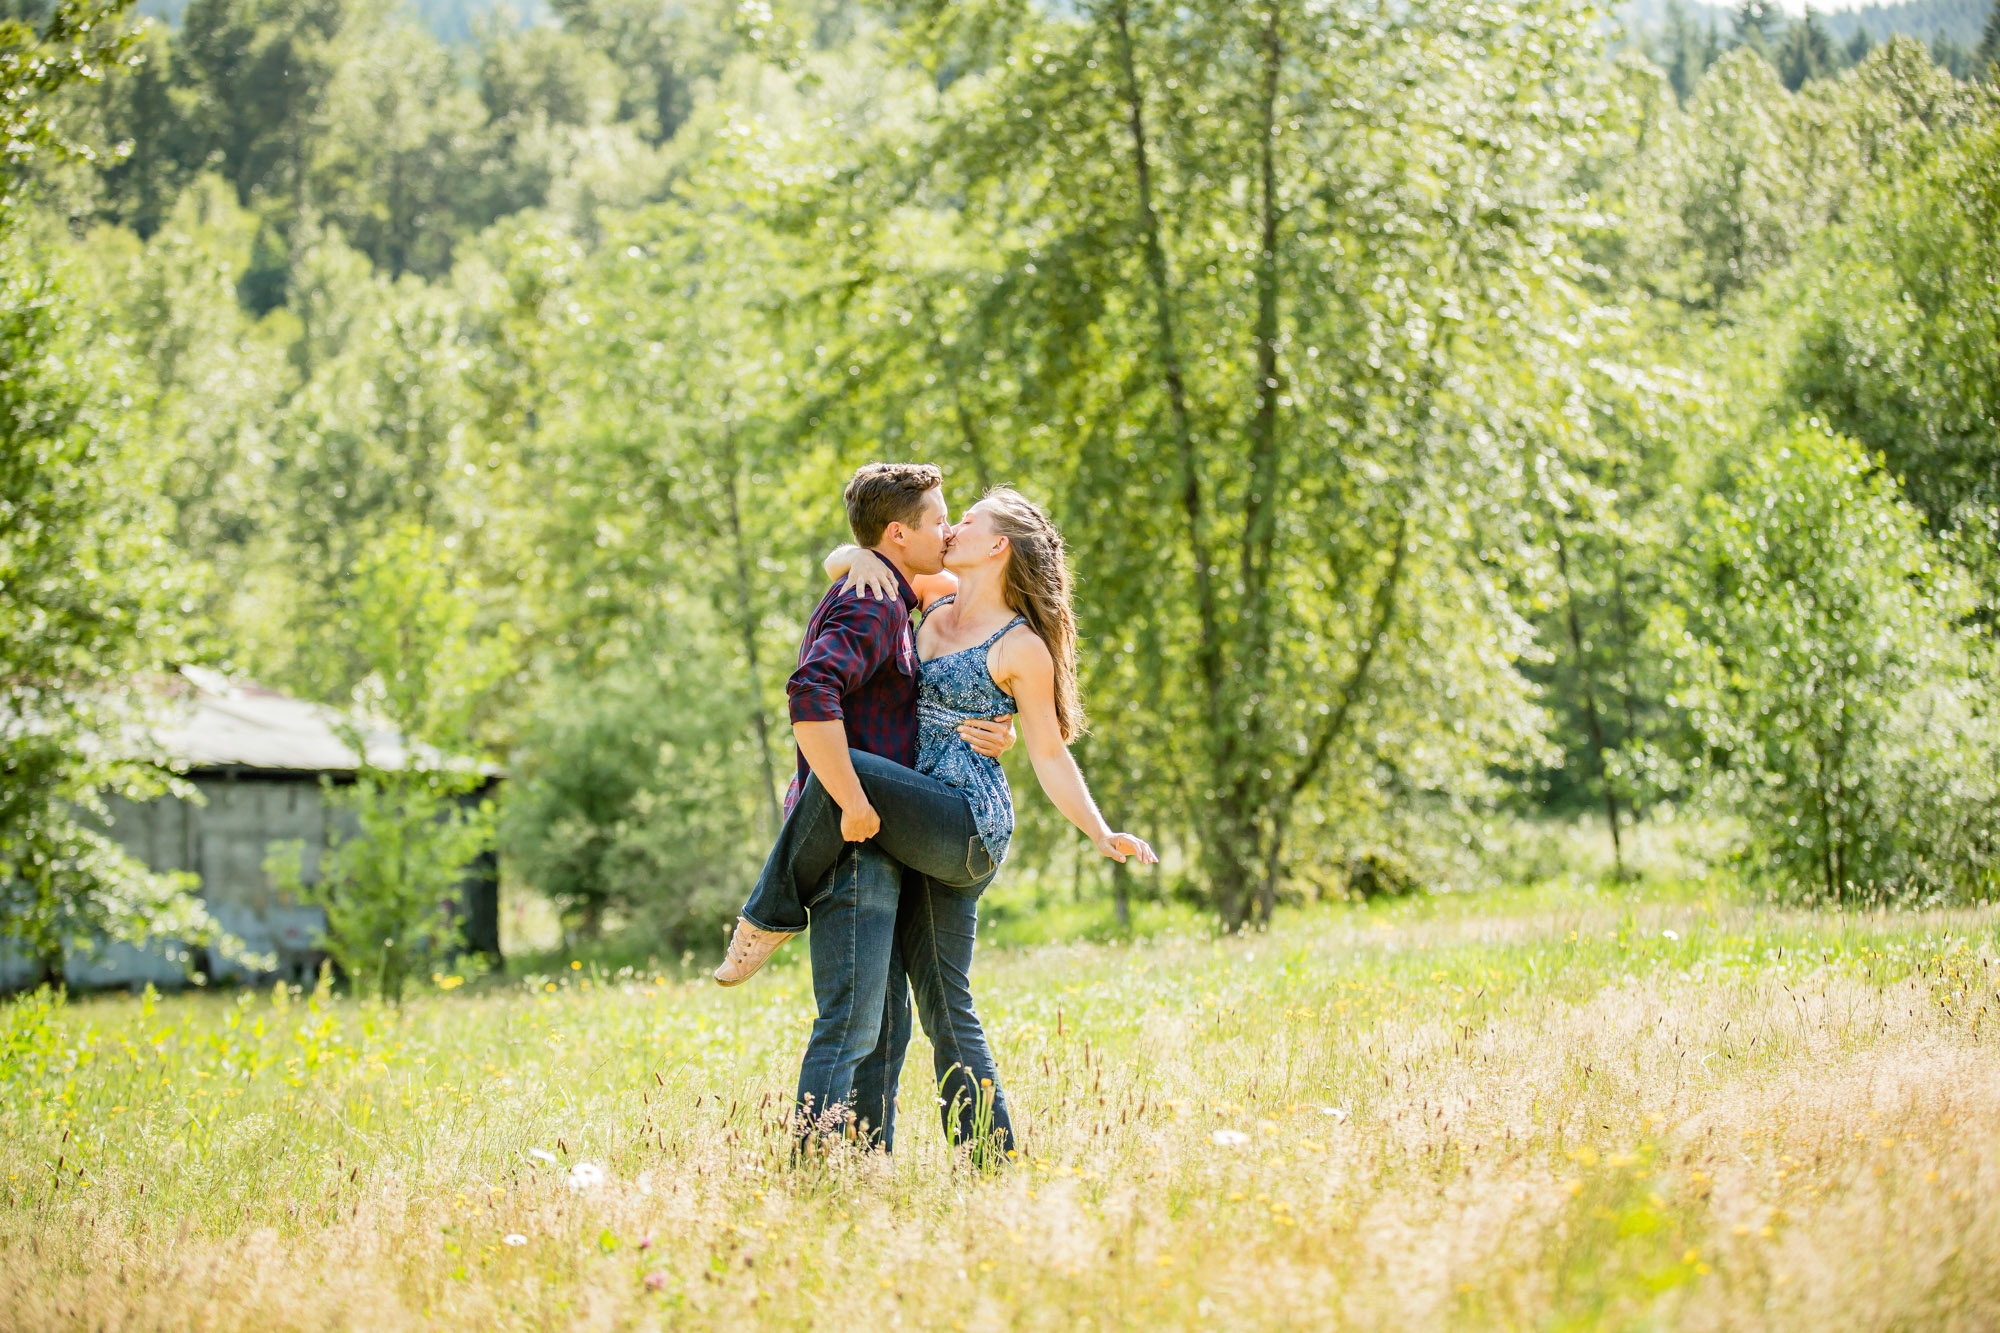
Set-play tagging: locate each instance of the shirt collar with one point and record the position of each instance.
(903, 585)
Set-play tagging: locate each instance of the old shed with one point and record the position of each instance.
(259, 758)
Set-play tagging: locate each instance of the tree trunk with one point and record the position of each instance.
(1336, 722)
(1629, 708)
(1226, 858)
(1590, 718)
(1254, 830)
(745, 617)
(1260, 508)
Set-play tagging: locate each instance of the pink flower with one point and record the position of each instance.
(656, 1281)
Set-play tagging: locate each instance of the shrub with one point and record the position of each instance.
(1839, 697)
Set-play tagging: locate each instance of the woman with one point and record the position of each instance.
(997, 637)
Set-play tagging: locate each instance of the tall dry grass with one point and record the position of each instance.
(1531, 1110)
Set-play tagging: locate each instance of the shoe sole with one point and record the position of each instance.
(745, 977)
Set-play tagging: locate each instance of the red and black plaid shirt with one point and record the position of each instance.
(859, 663)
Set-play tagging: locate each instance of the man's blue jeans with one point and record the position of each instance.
(855, 1055)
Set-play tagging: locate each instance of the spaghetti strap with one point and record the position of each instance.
(1017, 620)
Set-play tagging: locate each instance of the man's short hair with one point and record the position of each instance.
(885, 493)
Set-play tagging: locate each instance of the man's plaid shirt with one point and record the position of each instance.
(859, 663)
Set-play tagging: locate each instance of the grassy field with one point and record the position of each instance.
(1549, 1109)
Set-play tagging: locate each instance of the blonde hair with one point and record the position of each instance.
(1037, 586)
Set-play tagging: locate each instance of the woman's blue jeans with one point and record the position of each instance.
(936, 927)
(926, 824)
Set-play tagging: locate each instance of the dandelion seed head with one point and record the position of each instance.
(514, 1238)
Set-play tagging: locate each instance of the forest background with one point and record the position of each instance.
(1459, 415)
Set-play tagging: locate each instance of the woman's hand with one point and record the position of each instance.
(990, 736)
(871, 576)
(1118, 846)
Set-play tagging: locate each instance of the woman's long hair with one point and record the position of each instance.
(1037, 586)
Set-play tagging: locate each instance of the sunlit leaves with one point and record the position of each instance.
(1847, 711)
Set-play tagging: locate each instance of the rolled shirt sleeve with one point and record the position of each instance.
(853, 641)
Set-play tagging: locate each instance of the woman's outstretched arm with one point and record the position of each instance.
(1029, 674)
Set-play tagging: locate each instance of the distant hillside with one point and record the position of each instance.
(1961, 20)
(450, 20)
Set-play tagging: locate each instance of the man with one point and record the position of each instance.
(856, 685)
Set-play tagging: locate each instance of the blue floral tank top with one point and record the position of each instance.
(950, 689)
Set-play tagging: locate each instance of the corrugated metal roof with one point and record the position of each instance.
(212, 721)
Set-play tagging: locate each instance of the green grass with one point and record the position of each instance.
(1556, 1107)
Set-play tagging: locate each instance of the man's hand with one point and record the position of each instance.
(991, 737)
(860, 824)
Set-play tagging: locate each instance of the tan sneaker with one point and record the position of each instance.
(749, 949)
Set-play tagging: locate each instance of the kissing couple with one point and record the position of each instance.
(899, 814)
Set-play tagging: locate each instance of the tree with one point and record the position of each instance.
(1806, 52)
(1844, 710)
(75, 43)
(1754, 22)
(1685, 49)
(1901, 349)
(1859, 45)
(389, 883)
(1217, 244)
(1733, 189)
(88, 591)
(1952, 56)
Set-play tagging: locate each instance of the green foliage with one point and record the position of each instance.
(1845, 710)
(1377, 361)
(88, 592)
(1252, 376)
(632, 798)
(1902, 350)
(73, 43)
(1730, 190)
(390, 882)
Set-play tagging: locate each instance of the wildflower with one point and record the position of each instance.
(656, 1281)
(1339, 1113)
(542, 1155)
(1229, 1138)
(1670, 934)
(645, 1242)
(585, 1176)
(513, 1238)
